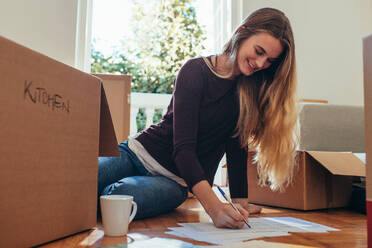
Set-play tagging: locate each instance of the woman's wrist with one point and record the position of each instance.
(206, 196)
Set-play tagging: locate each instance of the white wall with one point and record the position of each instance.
(46, 26)
(328, 36)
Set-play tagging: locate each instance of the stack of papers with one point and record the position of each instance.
(160, 243)
(173, 243)
(261, 227)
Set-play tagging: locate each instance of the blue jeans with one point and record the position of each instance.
(126, 175)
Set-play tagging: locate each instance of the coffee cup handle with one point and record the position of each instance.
(134, 211)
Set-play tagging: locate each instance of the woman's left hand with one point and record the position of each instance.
(252, 209)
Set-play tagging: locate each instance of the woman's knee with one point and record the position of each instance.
(154, 195)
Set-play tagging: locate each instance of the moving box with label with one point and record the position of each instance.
(54, 123)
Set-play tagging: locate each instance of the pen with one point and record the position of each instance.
(232, 205)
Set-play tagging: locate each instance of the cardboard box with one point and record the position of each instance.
(55, 121)
(321, 180)
(118, 90)
(367, 65)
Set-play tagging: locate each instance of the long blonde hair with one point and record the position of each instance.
(268, 111)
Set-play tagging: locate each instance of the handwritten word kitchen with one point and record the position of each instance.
(42, 96)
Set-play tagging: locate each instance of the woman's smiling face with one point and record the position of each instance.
(258, 52)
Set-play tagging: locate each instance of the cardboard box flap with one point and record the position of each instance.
(108, 144)
(340, 163)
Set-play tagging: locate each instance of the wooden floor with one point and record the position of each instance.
(352, 225)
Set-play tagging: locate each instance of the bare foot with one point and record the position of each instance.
(253, 209)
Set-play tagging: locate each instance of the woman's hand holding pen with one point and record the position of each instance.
(224, 215)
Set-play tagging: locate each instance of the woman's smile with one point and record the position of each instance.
(258, 52)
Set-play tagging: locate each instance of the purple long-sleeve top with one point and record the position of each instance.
(198, 129)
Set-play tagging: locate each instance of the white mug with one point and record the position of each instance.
(116, 215)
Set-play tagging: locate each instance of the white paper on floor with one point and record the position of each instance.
(261, 227)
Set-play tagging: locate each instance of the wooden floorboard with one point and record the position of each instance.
(353, 228)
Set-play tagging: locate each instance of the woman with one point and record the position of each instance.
(244, 97)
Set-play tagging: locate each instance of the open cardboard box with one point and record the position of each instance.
(55, 122)
(367, 64)
(321, 180)
(118, 90)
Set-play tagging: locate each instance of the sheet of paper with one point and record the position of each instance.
(218, 239)
(173, 243)
(302, 225)
(261, 227)
(161, 243)
(262, 244)
(207, 232)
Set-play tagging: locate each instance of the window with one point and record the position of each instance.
(150, 40)
(111, 23)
